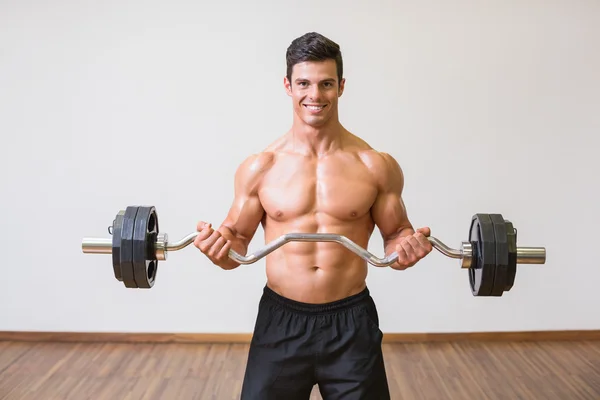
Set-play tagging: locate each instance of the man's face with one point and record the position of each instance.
(314, 89)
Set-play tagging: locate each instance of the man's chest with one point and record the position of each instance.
(344, 190)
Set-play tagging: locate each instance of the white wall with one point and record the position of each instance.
(488, 106)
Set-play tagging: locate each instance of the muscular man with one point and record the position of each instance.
(316, 323)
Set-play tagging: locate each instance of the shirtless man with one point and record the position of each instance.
(316, 322)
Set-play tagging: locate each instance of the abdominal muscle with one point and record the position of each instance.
(317, 272)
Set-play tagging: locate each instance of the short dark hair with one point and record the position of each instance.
(313, 46)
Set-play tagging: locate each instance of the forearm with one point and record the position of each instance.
(238, 243)
(390, 242)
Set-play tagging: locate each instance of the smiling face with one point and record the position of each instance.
(315, 89)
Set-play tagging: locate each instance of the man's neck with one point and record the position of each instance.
(316, 141)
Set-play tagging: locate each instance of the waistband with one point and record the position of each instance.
(338, 305)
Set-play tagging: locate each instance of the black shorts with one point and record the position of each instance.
(336, 346)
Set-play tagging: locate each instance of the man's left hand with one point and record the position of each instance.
(412, 248)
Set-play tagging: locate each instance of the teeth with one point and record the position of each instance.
(315, 108)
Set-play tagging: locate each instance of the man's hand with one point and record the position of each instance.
(213, 245)
(412, 248)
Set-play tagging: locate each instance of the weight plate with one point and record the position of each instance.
(501, 270)
(144, 247)
(116, 245)
(511, 234)
(482, 237)
(127, 229)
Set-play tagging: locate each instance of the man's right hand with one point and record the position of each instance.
(212, 243)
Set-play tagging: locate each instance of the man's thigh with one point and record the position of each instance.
(272, 374)
(354, 379)
(351, 365)
(281, 361)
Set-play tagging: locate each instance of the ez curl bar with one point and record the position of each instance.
(490, 254)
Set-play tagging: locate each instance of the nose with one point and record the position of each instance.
(314, 93)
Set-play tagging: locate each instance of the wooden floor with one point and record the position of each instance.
(461, 370)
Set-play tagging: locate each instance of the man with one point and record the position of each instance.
(316, 323)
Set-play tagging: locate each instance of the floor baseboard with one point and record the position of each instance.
(391, 337)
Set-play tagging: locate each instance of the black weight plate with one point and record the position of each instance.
(127, 246)
(144, 247)
(501, 274)
(482, 237)
(116, 245)
(512, 256)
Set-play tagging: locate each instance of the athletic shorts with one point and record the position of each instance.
(336, 346)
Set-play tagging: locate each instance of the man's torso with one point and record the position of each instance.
(332, 193)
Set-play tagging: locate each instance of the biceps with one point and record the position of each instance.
(389, 214)
(244, 217)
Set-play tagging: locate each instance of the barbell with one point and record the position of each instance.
(490, 254)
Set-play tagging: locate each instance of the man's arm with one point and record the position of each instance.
(239, 226)
(390, 215)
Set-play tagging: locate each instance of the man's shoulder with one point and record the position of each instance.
(367, 152)
(261, 161)
(378, 161)
(253, 168)
(382, 165)
(257, 163)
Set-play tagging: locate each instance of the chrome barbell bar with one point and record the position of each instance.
(525, 255)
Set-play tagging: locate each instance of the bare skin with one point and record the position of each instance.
(317, 177)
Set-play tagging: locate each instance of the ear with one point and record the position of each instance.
(288, 86)
(341, 88)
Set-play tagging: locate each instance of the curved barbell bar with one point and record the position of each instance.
(525, 255)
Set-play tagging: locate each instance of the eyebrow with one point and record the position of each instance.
(305, 79)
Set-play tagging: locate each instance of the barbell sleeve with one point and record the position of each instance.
(525, 255)
(96, 246)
